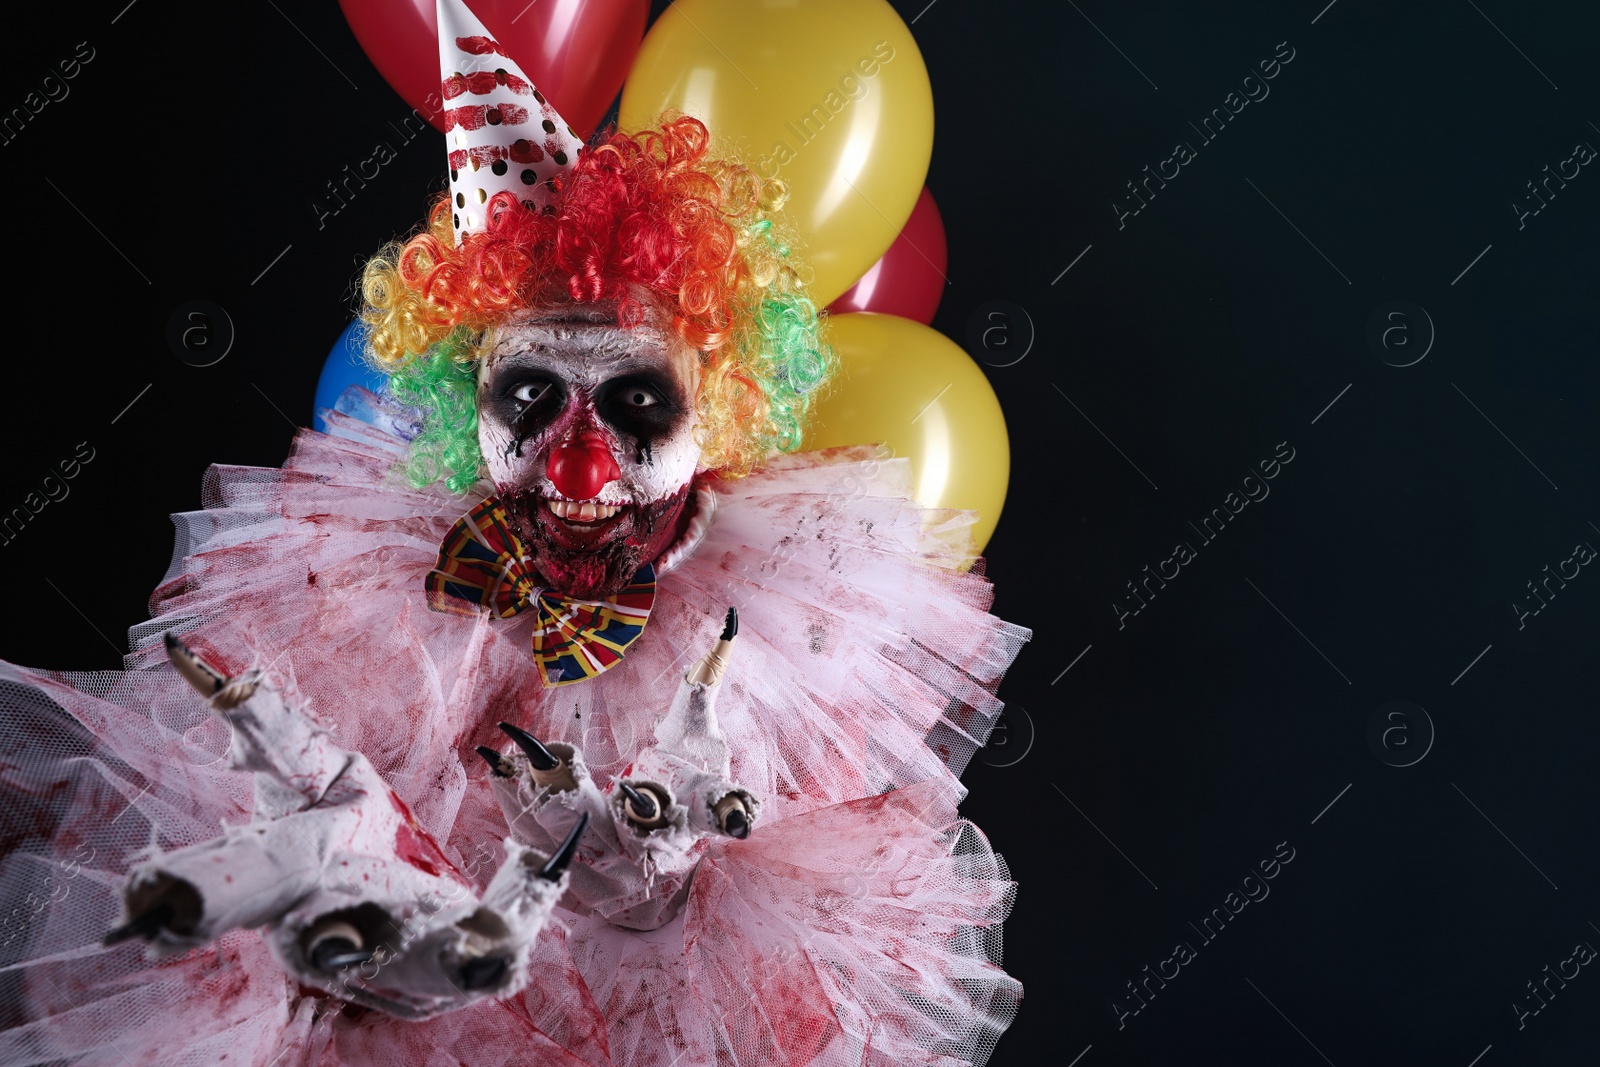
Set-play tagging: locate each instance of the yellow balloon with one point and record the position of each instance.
(829, 95)
(912, 388)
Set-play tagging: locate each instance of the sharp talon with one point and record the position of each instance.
(337, 953)
(539, 757)
(145, 927)
(708, 669)
(483, 972)
(336, 945)
(196, 671)
(498, 764)
(643, 804)
(569, 848)
(733, 815)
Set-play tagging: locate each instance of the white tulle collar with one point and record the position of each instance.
(704, 504)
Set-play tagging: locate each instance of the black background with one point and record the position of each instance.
(1132, 792)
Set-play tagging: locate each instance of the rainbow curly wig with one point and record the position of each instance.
(657, 211)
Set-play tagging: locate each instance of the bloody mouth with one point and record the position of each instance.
(588, 549)
(584, 525)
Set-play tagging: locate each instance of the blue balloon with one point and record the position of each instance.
(345, 367)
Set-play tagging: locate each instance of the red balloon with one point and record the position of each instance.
(576, 53)
(909, 280)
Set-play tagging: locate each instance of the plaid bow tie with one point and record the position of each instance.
(482, 564)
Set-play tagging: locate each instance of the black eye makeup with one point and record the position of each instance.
(522, 399)
(645, 404)
(530, 392)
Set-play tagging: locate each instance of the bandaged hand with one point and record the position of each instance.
(353, 895)
(651, 826)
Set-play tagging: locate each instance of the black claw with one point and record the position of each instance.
(496, 762)
(643, 803)
(145, 927)
(483, 972)
(736, 823)
(730, 627)
(337, 953)
(539, 757)
(569, 848)
(195, 670)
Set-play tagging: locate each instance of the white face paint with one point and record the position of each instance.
(587, 430)
(559, 374)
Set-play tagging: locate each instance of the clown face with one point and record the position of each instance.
(587, 429)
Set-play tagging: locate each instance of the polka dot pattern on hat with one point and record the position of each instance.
(502, 134)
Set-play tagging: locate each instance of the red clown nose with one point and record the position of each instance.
(581, 468)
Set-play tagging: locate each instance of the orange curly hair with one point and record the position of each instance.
(653, 211)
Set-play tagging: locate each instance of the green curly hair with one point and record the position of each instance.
(652, 211)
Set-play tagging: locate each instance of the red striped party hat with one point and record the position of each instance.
(502, 134)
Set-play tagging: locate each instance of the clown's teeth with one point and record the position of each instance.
(584, 512)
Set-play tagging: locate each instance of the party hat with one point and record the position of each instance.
(502, 134)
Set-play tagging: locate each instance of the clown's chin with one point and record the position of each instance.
(598, 557)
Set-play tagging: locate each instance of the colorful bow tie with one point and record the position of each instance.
(482, 563)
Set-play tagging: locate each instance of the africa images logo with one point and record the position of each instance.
(1253, 888)
(1255, 90)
